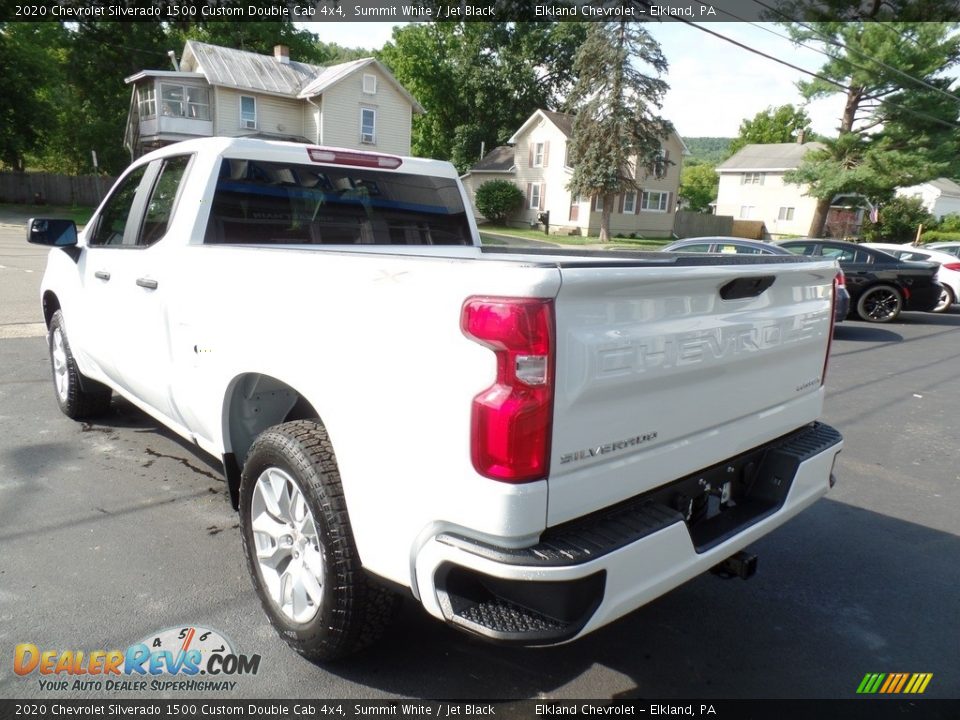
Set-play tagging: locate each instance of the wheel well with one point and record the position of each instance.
(51, 303)
(254, 403)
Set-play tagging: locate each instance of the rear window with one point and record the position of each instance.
(258, 202)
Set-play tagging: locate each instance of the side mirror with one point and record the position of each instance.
(52, 231)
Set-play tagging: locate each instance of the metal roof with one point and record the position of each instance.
(246, 70)
(770, 156)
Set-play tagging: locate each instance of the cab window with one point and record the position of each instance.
(112, 223)
(163, 199)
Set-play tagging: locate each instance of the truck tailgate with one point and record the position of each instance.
(659, 376)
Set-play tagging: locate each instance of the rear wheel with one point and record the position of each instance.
(946, 300)
(300, 548)
(77, 395)
(881, 303)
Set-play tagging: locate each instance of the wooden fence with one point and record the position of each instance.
(688, 224)
(52, 189)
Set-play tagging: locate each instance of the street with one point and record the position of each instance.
(115, 530)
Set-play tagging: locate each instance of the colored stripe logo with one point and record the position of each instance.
(894, 683)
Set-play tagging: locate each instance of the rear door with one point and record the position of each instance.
(659, 376)
(147, 279)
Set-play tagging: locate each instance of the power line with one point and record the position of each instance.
(889, 103)
(836, 43)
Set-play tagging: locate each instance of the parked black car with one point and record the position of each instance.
(742, 246)
(879, 284)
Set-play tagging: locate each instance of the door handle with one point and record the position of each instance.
(102, 275)
(147, 283)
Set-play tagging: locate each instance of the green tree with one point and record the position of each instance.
(774, 125)
(899, 121)
(29, 52)
(898, 221)
(698, 186)
(479, 81)
(616, 133)
(498, 199)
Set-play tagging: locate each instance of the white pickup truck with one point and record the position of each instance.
(531, 443)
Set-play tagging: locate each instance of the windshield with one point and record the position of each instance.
(259, 202)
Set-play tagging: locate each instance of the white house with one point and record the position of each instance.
(221, 91)
(536, 160)
(752, 187)
(940, 197)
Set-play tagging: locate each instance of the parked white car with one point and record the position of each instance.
(948, 275)
(951, 248)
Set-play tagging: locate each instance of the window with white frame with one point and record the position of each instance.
(654, 201)
(535, 195)
(752, 178)
(369, 84)
(786, 213)
(538, 155)
(248, 112)
(368, 126)
(746, 212)
(147, 101)
(598, 203)
(185, 101)
(630, 202)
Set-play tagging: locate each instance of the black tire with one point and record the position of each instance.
(946, 300)
(880, 304)
(351, 613)
(78, 396)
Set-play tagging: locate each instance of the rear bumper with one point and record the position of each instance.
(589, 572)
(923, 299)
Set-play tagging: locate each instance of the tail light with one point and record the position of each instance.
(838, 282)
(951, 266)
(511, 421)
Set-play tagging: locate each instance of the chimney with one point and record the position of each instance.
(281, 53)
(800, 136)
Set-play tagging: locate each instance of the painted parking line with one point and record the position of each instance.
(22, 330)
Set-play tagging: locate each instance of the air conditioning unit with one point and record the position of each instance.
(250, 124)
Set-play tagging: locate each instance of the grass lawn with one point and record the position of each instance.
(80, 215)
(632, 243)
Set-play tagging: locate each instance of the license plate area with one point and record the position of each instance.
(722, 500)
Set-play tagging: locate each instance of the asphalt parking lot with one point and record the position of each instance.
(112, 531)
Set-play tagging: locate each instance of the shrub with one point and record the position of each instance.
(497, 200)
(932, 236)
(949, 223)
(898, 221)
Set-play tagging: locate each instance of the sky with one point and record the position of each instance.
(714, 85)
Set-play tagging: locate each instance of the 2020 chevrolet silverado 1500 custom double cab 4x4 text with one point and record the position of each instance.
(531, 443)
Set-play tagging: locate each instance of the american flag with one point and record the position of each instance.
(874, 214)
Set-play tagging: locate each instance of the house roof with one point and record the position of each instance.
(946, 186)
(564, 123)
(770, 156)
(500, 159)
(243, 70)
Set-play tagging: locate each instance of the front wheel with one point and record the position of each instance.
(946, 300)
(77, 395)
(879, 304)
(300, 548)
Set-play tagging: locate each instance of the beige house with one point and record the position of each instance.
(536, 161)
(752, 187)
(226, 92)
